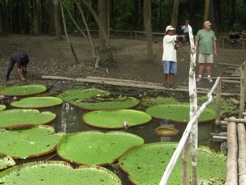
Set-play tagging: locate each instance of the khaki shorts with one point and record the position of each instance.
(209, 59)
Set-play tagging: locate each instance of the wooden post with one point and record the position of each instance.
(242, 89)
(242, 153)
(231, 164)
(218, 100)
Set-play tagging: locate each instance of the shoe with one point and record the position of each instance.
(173, 86)
(210, 79)
(199, 78)
(7, 79)
(167, 85)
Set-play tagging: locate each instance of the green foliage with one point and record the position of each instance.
(26, 143)
(94, 147)
(115, 118)
(57, 173)
(145, 164)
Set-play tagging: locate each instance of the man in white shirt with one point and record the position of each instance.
(169, 56)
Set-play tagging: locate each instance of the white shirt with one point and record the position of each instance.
(169, 53)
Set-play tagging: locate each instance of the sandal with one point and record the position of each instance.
(167, 85)
(173, 86)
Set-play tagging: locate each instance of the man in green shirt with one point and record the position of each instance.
(206, 41)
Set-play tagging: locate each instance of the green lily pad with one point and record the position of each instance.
(6, 161)
(37, 102)
(2, 107)
(31, 142)
(17, 118)
(96, 99)
(114, 119)
(179, 113)
(146, 164)
(57, 173)
(157, 101)
(94, 147)
(23, 90)
(76, 95)
(166, 131)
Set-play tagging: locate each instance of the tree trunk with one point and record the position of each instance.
(36, 16)
(103, 15)
(57, 19)
(206, 10)
(148, 28)
(233, 12)
(175, 13)
(51, 29)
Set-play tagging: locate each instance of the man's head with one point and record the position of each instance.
(169, 30)
(186, 22)
(207, 25)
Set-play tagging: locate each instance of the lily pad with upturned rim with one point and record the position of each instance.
(31, 142)
(23, 90)
(93, 147)
(18, 118)
(166, 131)
(179, 113)
(114, 119)
(146, 164)
(96, 99)
(57, 173)
(157, 101)
(2, 107)
(6, 161)
(37, 102)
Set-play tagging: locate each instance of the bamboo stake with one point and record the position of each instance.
(242, 153)
(218, 100)
(185, 163)
(231, 174)
(242, 89)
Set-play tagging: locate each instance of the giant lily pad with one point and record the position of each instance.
(95, 99)
(23, 90)
(2, 107)
(37, 102)
(94, 147)
(31, 142)
(76, 95)
(6, 161)
(166, 131)
(157, 101)
(114, 119)
(57, 173)
(146, 164)
(178, 113)
(17, 118)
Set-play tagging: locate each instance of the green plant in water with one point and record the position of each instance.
(178, 113)
(146, 164)
(17, 118)
(95, 99)
(115, 119)
(6, 161)
(2, 107)
(31, 142)
(57, 173)
(157, 101)
(37, 102)
(93, 147)
(23, 90)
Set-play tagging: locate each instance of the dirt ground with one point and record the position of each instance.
(51, 57)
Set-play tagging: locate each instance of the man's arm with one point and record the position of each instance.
(20, 74)
(215, 49)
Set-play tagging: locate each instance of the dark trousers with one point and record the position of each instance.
(10, 68)
(186, 37)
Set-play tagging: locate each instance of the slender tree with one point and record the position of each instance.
(57, 19)
(175, 13)
(148, 27)
(36, 17)
(206, 10)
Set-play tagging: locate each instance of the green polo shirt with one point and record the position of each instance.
(206, 40)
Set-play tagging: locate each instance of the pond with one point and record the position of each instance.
(69, 120)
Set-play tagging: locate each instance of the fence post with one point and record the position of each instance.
(242, 89)
(218, 100)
